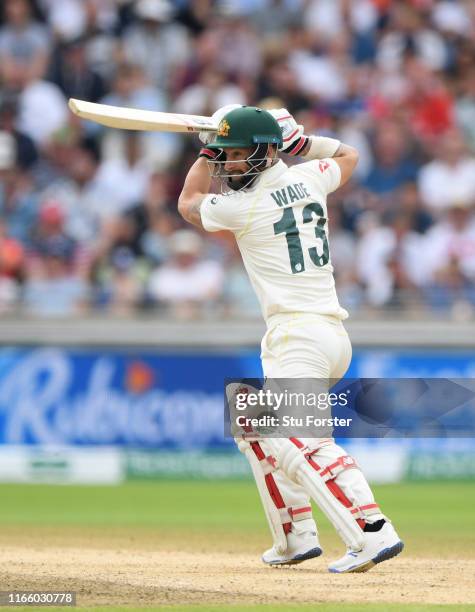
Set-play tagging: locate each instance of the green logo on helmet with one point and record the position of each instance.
(223, 128)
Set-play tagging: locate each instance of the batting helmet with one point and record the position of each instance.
(245, 127)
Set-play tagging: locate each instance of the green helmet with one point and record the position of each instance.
(246, 127)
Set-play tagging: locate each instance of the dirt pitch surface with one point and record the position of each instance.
(143, 578)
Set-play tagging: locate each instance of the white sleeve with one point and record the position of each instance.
(222, 212)
(325, 172)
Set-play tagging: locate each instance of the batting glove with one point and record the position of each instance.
(214, 155)
(294, 140)
(209, 137)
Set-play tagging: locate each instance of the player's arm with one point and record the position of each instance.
(195, 189)
(347, 158)
(198, 180)
(296, 143)
(321, 147)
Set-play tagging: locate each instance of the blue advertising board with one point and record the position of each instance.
(154, 399)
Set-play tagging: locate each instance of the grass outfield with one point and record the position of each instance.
(223, 519)
(424, 513)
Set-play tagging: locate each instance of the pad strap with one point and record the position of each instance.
(272, 487)
(330, 473)
(346, 462)
(363, 512)
(295, 514)
(329, 497)
(268, 465)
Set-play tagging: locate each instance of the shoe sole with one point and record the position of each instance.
(383, 555)
(310, 554)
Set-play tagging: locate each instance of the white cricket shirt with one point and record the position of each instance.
(281, 228)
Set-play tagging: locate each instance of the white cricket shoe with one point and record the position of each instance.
(300, 547)
(380, 546)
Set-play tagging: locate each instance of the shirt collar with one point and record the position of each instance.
(267, 176)
(273, 173)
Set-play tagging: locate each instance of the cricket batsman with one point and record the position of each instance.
(279, 217)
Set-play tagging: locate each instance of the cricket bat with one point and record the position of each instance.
(135, 119)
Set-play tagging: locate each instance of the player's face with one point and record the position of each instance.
(236, 160)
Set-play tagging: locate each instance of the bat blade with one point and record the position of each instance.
(136, 119)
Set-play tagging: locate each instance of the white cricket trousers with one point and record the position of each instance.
(313, 346)
(305, 346)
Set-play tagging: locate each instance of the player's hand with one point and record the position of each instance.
(292, 133)
(215, 155)
(209, 137)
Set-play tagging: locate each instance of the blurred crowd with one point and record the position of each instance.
(88, 219)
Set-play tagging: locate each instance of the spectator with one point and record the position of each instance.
(409, 34)
(56, 159)
(87, 205)
(280, 81)
(410, 204)
(52, 274)
(121, 282)
(343, 255)
(154, 242)
(451, 17)
(157, 44)
(239, 297)
(74, 76)
(388, 258)
(18, 204)
(152, 221)
(331, 19)
(236, 45)
(24, 43)
(405, 265)
(70, 19)
(11, 272)
(351, 132)
(211, 92)
(450, 177)
(429, 103)
(67, 19)
(26, 150)
(392, 163)
(450, 257)
(91, 212)
(465, 109)
(130, 88)
(8, 153)
(48, 227)
(273, 17)
(321, 75)
(125, 178)
(195, 16)
(187, 283)
(42, 108)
